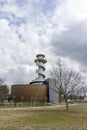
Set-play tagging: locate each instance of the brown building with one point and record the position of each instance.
(29, 92)
(38, 90)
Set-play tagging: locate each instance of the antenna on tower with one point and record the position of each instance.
(40, 62)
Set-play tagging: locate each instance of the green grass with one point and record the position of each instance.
(46, 119)
(21, 104)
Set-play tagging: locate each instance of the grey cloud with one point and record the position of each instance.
(18, 75)
(72, 43)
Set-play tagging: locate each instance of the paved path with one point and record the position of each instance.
(34, 108)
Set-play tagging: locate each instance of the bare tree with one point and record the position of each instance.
(82, 90)
(3, 91)
(67, 80)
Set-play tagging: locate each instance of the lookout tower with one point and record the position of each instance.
(40, 62)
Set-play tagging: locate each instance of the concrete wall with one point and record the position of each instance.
(29, 93)
(53, 96)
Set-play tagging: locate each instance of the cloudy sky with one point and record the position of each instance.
(56, 28)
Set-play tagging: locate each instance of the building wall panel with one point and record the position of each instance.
(29, 93)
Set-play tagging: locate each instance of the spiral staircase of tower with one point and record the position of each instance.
(40, 61)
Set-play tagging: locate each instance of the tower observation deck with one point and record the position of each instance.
(40, 62)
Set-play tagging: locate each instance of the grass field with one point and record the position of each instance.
(44, 119)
